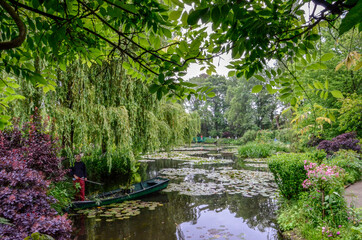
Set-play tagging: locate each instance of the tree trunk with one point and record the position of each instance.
(277, 121)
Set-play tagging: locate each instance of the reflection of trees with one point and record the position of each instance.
(257, 212)
(155, 167)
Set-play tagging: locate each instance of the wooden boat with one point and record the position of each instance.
(116, 196)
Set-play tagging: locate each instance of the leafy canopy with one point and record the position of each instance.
(157, 40)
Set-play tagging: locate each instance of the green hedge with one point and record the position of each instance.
(289, 173)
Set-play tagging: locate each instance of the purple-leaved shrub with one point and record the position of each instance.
(29, 163)
(346, 141)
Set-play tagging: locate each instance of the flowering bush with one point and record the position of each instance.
(330, 232)
(324, 201)
(346, 141)
(321, 177)
(28, 164)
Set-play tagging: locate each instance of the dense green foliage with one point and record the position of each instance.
(261, 149)
(313, 205)
(212, 111)
(289, 173)
(321, 211)
(156, 41)
(350, 118)
(103, 112)
(234, 109)
(350, 161)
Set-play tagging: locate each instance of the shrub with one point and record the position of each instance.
(286, 135)
(346, 141)
(226, 141)
(350, 161)
(317, 156)
(261, 150)
(28, 164)
(255, 150)
(325, 202)
(289, 173)
(248, 136)
(265, 135)
(210, 140)
(314, 141)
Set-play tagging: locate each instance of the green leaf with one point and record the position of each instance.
(352, 18)
(215, 14)
(317, 66)
(286, 90)
(273, 72)
(327, 56)
(161, 78)
(326, 84)
(268, 74)
(358, 66)
(259, 78)
(337, 94)
(313, 37)
(175, 15)
(188, 84)
(270, 89)
(178, 3)
(286, 110)
(167, 32)
(196, 15)
(332, 117)
(159, 94)
(211, 94)
(309, 45)
(231, 73)
(153, 88)
(317, 85)
(257, 88)
(285, 95)
(293, 101)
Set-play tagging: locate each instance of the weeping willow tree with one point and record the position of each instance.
(108, 115)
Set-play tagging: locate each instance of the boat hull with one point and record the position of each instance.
(140, 190)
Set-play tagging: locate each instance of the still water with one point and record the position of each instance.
(216, 216)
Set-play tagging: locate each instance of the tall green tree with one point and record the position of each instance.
(212, 110)
(250, 111)
(102, 111)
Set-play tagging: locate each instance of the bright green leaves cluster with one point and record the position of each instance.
(7, 88)
(250, 31)
(352, 18)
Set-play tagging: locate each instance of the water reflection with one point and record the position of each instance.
(224, 216)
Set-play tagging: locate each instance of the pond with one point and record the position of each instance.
(211, 195)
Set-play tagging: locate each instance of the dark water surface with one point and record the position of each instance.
(223, 216)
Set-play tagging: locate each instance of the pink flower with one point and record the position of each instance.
(339, 226)
(338, 233)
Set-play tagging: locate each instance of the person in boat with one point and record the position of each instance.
(79, 174)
